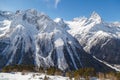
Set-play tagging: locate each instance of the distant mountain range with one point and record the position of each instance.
(32, 38)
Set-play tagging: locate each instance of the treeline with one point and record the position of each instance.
(31, 68)
(18, 68)
(109, 75)
(50, 71)
(81, 73)
(86, 73)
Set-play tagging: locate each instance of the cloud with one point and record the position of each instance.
(56, 3)
(52, 3)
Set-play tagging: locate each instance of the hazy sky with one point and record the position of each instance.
(67, 9)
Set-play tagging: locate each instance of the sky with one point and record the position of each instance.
(109, 10)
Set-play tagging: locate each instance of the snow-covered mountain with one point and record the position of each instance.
(32, 38)
(99, 38)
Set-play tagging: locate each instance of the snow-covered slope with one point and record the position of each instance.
(36, 76)
(97, 37)
(30, 76)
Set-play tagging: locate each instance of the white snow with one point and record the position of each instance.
(57, 20)
(29, 76)
(59, 43)
(95, 18)
(35, 76)
(4, 27)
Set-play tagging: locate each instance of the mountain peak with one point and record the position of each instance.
(32, 11)
(58, 20)
(61, 23)
(95, 17)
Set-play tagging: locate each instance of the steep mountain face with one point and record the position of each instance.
(32, 38)
(98, 38)
(61, 23)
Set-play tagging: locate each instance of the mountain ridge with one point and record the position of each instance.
(32, 38)
(98, 38)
